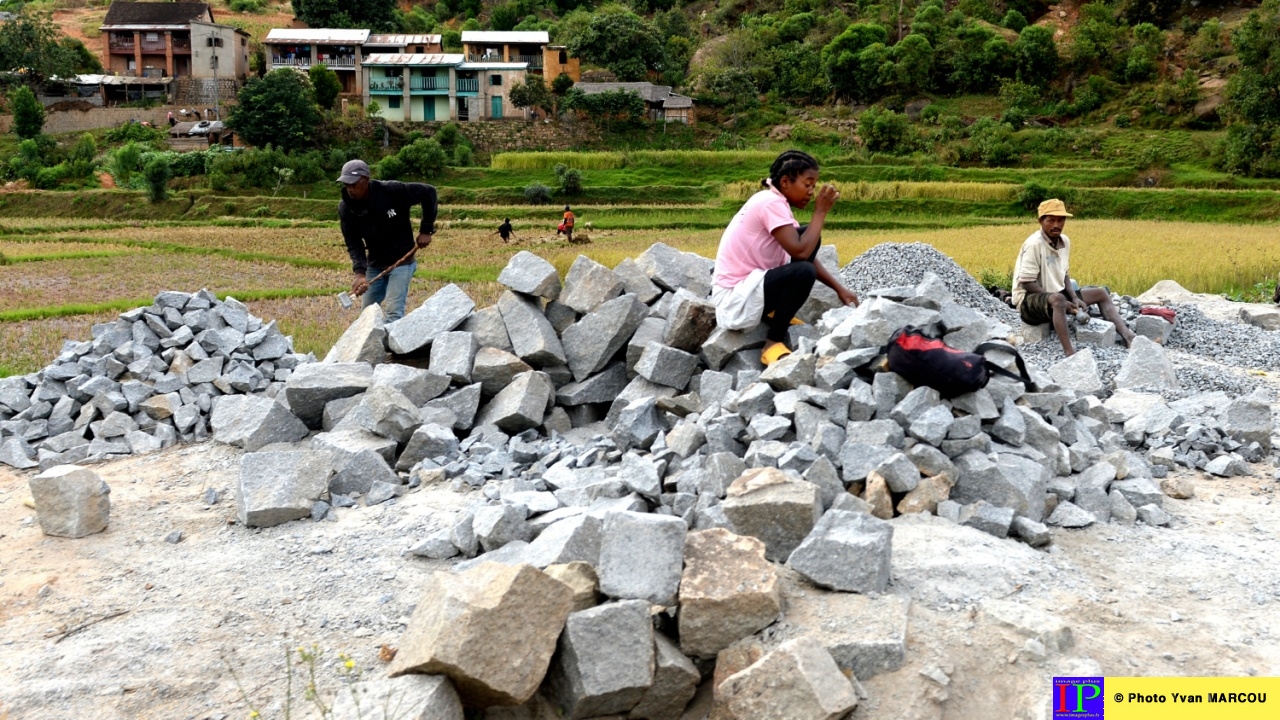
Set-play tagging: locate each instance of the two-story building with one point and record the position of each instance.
(413, 87)
(301, 48)
(530, 47)
(178, 39)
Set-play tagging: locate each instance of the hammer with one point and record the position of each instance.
(345, 298)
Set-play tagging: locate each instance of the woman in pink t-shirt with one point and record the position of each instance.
(765, 266)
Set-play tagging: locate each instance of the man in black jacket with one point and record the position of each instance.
(374, 215)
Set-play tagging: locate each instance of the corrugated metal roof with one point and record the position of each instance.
(494, 66)
(156, 13)
(513, 37)
(413, 59)
(317, 35)
(648, 91)
(123, 80)
(403, 40)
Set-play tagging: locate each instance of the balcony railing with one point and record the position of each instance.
(121, 46)
(153, 46)
(340, 62)
(291, 62)
(386, 85)
(429, 83)
(535, 61)
(182, 44)
(465, 85)
(491, 57)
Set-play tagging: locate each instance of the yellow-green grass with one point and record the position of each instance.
(42, 248)
(97, 280)
(616, 160)
(1127, 256)
(850, 191)
(29, 345)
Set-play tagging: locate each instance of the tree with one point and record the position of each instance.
(561, 84)
(1253, 96)
(1014, 21)
(124, 163)
(84, 61)
(605, 107)
(279, 108)
(376, 15)
(851, 70)
(1035, 55)
(32, 43)
(326, 85)
(532, 93)
(622, 42)
(28, 113)
(423, 158)
(912, 64)
(505, 16)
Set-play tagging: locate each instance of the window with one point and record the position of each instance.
(393, 102)
(419, 49)
(495, 80)
(242, 43)
(564, 57)
(151, 37)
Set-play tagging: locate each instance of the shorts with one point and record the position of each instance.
(1035, 308)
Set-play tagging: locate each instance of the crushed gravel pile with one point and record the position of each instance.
(897, 264)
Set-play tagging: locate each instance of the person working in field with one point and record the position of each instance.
(374, 215)
(504, 231)
(766, 264)
(1042, 288)
(566, 226)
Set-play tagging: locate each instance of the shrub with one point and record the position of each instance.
(134, 132)
(248, 6)
(157, 173)
(326, 84)
(992, 142)
(570, 180)
(50, 177)
(1032, 194)
(537, 194)
(423, 158)
(884, 130)
(391, 167)
(463, 156)
(1014, 21)
(28, 113)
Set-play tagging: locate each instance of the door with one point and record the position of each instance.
(429, 109)
(496, 114)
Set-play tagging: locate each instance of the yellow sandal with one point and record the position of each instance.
(773, 354)
(794, 320)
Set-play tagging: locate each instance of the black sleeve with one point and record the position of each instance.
(354, 241)
(419, 194)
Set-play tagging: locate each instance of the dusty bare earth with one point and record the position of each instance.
(126, 625)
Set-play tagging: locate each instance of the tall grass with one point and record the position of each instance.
(691, 159)
(972, 191)
(548, 160)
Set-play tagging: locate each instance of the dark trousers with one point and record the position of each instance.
(786, 289)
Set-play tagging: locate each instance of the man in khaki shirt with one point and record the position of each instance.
(1042, 289)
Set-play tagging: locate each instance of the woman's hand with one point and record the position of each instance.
(827, 197)
(847, 296)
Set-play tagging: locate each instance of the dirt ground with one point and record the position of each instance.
(126, 625)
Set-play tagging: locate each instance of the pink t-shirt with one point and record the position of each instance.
(748, 243)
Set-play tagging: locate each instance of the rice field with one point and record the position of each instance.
(862, 191)
(637, 158)
(65, 277)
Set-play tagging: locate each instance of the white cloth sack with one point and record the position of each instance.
(740, 307)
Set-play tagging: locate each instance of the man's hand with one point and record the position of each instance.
(424, 239)
(359, 285)
(827, 197)
(847, 296)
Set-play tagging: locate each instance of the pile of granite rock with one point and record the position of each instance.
(143, 382)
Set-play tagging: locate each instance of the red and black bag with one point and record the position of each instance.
(922, 360)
